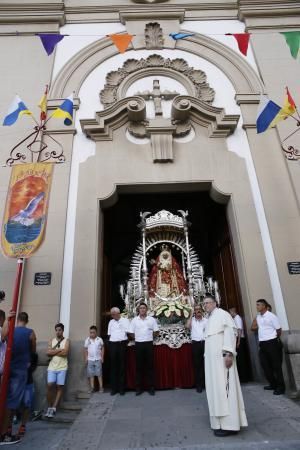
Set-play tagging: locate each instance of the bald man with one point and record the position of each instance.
(118, 328)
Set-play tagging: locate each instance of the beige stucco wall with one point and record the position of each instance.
(27, 69)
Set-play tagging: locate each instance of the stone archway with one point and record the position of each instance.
(239, 72)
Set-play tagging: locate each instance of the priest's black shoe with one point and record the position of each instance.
(122, 392)
(278, 392)
(138, 392)
(199, 390)
(223, 433)
(151, 391)
(113, 392)
(268, 388)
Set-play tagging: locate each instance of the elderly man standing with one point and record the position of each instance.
(223, 390)
(118, 328)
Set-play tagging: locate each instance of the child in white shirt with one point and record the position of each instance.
(94, 358)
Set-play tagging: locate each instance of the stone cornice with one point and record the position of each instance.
(195, 10)
(24, 13)
(268, 8)
(279, 14)
(218, 124)
(154, 14)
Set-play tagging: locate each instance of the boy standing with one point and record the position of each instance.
(94, 358)
(58, 349)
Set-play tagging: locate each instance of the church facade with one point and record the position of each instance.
(169, 124)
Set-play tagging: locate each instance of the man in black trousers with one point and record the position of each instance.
(143, 328)
(196, 324)
(118, 329)
(270, 347)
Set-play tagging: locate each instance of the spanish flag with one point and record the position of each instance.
(65, 111)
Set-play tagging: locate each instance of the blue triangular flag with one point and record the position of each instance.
(49, 41)
(177, 36)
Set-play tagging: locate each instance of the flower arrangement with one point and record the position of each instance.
(171, 312)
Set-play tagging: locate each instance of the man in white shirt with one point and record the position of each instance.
(270, 347)
(241, 346)
(118, 329)
(196, 324)
(143, 328)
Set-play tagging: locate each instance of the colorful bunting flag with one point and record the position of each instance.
(65, 111)
(50, 41)
(121, 41)
(242, 41)
(16, 109)
(177, 36)
(43, 105)
(293, 41)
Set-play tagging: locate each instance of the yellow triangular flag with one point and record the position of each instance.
(121, 41)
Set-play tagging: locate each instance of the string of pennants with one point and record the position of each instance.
(268, 115)
(122, 41)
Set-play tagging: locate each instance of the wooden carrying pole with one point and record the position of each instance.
(8, 354)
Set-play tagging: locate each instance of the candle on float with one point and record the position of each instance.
(210, 282)
(216, 287)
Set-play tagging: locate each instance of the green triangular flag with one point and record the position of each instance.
(293, 41)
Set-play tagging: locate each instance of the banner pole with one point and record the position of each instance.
(11, 325)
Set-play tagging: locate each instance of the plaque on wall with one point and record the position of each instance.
(42, 278)
(294, 267)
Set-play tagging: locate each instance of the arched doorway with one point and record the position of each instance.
(209, 236)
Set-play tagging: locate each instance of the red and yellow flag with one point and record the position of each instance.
(43, 105)
(26, 209)
(288, 109)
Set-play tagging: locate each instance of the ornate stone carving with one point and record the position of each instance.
(195, 77)
(154, 36)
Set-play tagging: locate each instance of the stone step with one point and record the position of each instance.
(71, 406)
(83, 395)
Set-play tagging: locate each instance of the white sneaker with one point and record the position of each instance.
(51, 413)
(47, 412)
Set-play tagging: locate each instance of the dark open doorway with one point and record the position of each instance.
(209, 235)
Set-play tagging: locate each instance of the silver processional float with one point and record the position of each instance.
(169, 285)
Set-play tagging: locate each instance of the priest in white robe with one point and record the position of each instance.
(223, 389)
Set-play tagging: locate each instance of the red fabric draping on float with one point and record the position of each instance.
(173, 367)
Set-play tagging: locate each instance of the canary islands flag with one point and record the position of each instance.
(267, 111)
(16, 110)
(65, 111)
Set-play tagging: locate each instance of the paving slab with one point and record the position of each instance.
(172, 420)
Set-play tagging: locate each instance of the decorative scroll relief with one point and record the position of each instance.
(196, 78)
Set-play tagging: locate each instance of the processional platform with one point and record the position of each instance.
(167, 275)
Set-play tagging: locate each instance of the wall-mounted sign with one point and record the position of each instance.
(42, 278)
(294, 267)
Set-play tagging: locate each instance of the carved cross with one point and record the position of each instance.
(157, 96)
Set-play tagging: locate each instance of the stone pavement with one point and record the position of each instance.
(176, 420)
